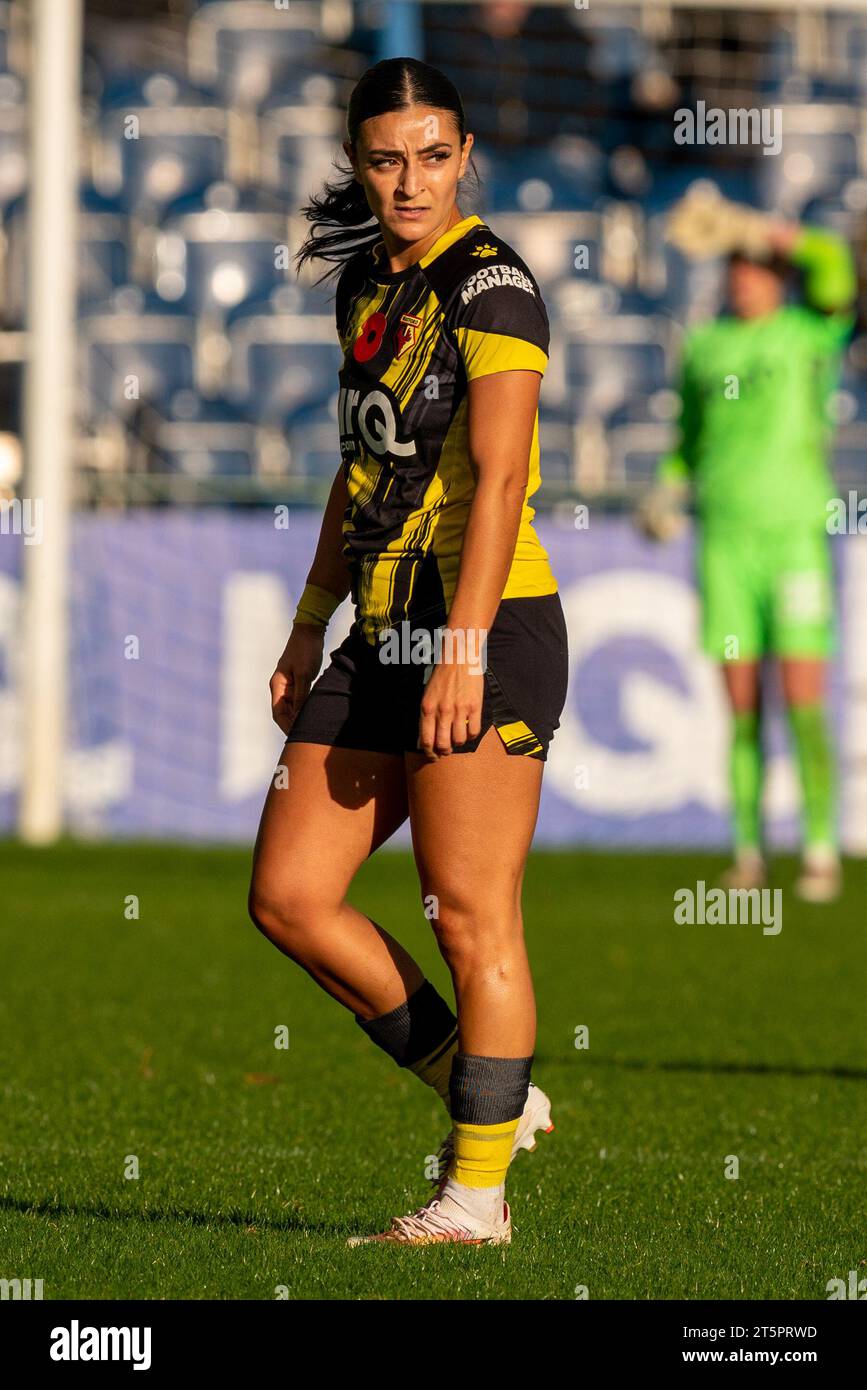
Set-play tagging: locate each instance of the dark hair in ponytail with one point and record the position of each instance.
(342, 208)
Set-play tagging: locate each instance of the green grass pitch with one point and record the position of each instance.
(154, 1039)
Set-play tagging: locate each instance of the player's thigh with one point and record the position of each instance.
(742, 681)
(326, 811)
(732, 619)
(802, 599)
(472, 819)
(804, 680)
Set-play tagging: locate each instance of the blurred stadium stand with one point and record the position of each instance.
(208, 372)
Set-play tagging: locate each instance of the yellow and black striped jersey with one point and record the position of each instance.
(412, 339)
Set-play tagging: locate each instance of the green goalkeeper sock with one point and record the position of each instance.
(816, 766)
(745, 772)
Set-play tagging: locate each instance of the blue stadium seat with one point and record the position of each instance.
(103, 241)
(558, 246)
(669, 182)
(633, 300)
(660, 407)
(103, 245)
(134, 352)
(13, 140)
(843, 215)
(610, 361)
(853, 384)
(281, 362)
(298, 144)
(634, 451)
(215, 252)
(6, 38)
(556, 433)
(248, 49)
(619, 49)
(570, 174)
(685, 288)
(850, 457)
(847, 35)
(202, 438)
(160, 139)
(313, 439)
(819, 153)
(779, 61)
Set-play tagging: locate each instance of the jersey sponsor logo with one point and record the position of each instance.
(373, 417)
(407, 333)
(802, 597)
(491, 276)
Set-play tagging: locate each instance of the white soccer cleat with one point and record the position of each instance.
(431, 1226)
(748, 871)
(821, 877)
(535, 1116)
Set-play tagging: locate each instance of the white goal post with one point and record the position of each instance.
(54, 117)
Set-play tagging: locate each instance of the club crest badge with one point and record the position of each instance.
(407, 333)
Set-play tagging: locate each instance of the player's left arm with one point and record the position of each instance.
(502, 417)
(502, 336)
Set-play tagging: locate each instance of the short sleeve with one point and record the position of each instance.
(499, 321)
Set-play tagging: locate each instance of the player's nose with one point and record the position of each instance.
(412, 183)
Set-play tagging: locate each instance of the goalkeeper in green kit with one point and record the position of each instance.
(754, 443)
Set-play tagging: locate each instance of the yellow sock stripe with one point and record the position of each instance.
(483, 1153)
(435, 1070)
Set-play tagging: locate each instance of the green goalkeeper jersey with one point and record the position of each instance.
(755, 426)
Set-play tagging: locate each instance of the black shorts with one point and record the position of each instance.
(359, 701)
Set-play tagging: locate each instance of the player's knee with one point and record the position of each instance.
(263, 910)
(283, 914)
(472, 938)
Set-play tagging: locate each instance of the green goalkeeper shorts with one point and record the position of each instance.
(764, 592)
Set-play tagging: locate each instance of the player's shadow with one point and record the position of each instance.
(169, 1215)
(728, 1068)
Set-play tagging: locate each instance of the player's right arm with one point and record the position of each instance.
(660, 514)
(830, 280)
(328, 584)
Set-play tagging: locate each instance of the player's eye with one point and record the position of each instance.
(437, 155)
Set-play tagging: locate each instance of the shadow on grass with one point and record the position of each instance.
(237, 1219)
(723, 1068)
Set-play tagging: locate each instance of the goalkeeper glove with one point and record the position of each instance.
(661, 513)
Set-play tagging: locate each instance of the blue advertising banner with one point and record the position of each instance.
(177, 619)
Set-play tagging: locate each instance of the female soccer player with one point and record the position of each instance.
(441, 703)
(754, 440)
